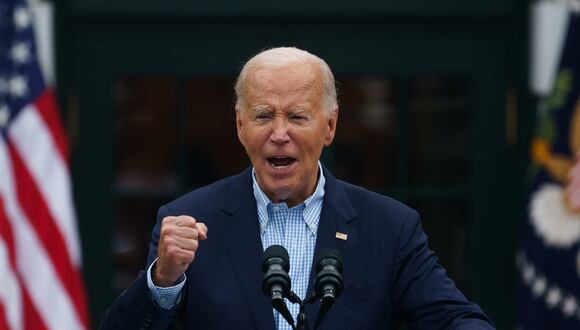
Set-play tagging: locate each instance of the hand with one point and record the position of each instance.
(178, 242)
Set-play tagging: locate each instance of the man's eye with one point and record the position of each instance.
(262, 116)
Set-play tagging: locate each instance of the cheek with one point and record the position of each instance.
(254, 140)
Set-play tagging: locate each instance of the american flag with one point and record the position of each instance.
(40, 253)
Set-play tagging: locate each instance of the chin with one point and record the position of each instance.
(281, 192)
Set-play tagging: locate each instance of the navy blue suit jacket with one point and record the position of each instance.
(389, 273)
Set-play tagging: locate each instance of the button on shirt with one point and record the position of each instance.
(294, 228)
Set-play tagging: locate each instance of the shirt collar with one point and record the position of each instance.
(263, 201)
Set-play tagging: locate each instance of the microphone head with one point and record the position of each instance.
(276, 254)
(275, 265)
(276, 281)
(329, 256)
(329, 282)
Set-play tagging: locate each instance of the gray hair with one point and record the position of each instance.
(283, 56)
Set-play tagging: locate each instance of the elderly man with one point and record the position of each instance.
(286, 112)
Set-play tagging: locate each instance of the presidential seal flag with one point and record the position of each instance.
(40, 259)
(549, 255)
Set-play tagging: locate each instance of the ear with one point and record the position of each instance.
(331, 128)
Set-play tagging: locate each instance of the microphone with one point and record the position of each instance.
(276, 281)
(329, 281)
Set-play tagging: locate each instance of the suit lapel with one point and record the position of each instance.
(336, 216)
(240, 227)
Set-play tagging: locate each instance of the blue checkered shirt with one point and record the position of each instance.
(165, 297)
(294, 228)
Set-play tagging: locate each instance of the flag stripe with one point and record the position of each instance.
(9, 290)
(47, 110)
(3, 322)
(6, 234)
(35, 209)
(19, 303)
(27, 317)
(37, 273)
(36, 146)
(32, 320)
(9, 286)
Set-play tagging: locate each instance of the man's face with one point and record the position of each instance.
(283, 127)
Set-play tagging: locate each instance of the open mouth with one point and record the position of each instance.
(281, 162)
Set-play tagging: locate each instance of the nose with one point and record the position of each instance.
(279, 134)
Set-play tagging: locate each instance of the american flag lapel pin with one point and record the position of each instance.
(341, 236)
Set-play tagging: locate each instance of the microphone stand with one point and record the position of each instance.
(302, 321)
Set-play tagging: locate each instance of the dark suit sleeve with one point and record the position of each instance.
(423, 294)
(135, 308)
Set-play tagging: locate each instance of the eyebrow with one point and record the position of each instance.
(260, 108)
(298, 109)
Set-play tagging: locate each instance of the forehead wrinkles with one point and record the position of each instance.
(258, 93)
(294, 77)
(313, 85)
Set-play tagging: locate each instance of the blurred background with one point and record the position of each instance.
(438, 101)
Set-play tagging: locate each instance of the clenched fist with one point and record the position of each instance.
(178, 242)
